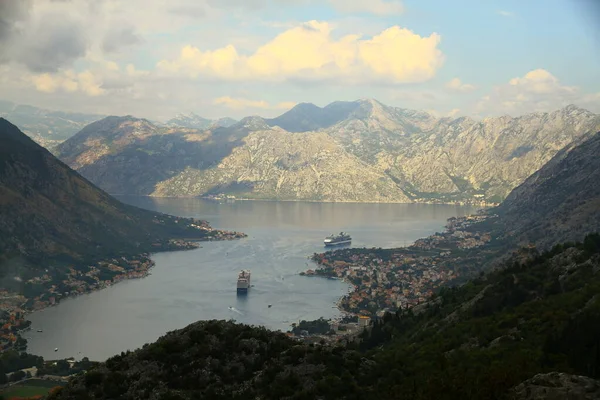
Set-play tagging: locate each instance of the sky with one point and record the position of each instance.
(217, 58)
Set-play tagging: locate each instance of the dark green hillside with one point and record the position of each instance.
(473, 342)
(51, 213)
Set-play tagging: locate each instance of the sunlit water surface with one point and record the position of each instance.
(187, 286)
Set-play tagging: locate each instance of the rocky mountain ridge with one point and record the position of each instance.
(376, 153)
(194, 121)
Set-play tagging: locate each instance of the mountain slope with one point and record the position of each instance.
(387, 153)
(46, 127)
(457, 159)
(249, 159)
(50, 212)
(558, 203)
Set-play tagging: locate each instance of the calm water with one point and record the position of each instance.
(187, 286)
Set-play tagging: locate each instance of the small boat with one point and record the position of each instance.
(56, 349)
(40, 331)
(270, 305)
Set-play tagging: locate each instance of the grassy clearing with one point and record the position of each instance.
(30, 388)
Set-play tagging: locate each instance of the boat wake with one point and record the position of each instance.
(235, 310)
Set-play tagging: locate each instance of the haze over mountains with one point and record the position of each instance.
(51, 127)
(51, 213)
(194, 121)
(347, 151)
(46, 127)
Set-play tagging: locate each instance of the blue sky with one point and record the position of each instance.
(259, 57)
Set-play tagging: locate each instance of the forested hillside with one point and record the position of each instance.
(479, 341)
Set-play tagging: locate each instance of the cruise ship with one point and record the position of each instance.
(334, 240)
(243, 282)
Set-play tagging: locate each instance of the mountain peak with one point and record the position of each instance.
(253, 122)
(370, 101)
(574, 109)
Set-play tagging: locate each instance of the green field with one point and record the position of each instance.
(29, 388)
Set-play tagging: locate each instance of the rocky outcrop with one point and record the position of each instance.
(557, 386)
(299, 167)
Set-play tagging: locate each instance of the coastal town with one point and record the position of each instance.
(385, 280)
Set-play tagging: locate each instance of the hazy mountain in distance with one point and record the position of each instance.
(194, 121)
(46, 127)
(306, 117)
(424, 158)
(51, 213)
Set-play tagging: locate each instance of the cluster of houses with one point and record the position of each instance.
(12, 319)
(386, 280)
(400, 281)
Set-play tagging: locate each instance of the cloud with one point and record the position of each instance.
(455, 112)
(309, 52)
(241, 103)
(505, 13)
(536, 91)
(119, 37)
(457, 86)
(68, 81)
(42, 44)
(377, 7)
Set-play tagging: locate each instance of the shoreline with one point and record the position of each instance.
(145, 272)
(225, 199)
(80, 278)
(418, 270)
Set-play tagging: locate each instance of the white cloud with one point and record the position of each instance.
(455, 112)
(242, 103)
(68, 81)
(505, 13)
(458, 86)
(309, 52)
(377, 7)
(536, 91)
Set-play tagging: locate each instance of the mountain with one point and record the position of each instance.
(346, 151)
(249, 159)
(529, 331)
(51, 214)
(195, 121)
(306, 117)
(458, 159)
(558, 203)
(46, 127)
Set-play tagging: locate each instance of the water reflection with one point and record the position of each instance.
(199, 284)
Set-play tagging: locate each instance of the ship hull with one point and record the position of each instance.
(329, 244)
